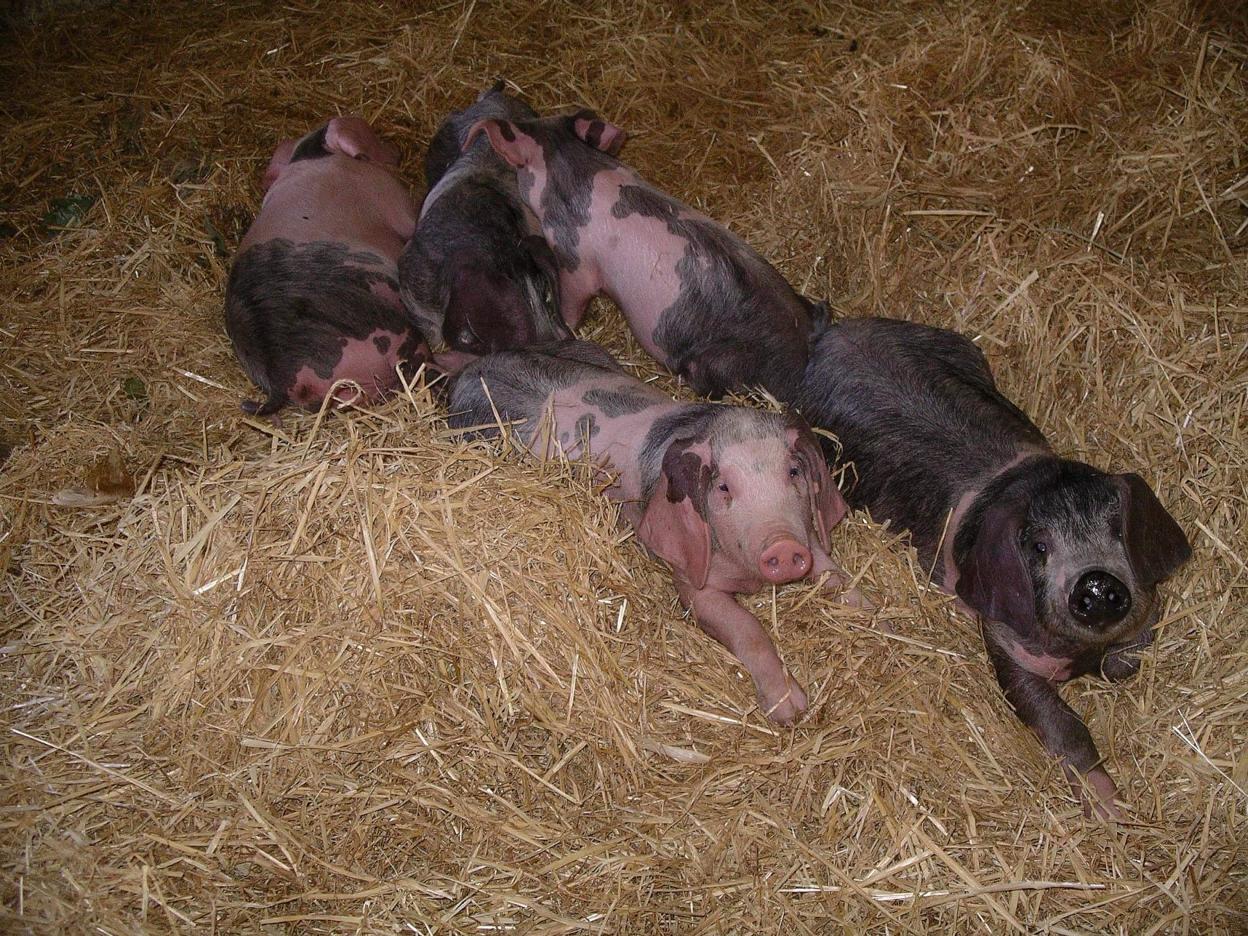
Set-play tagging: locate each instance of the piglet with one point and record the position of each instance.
(312, 297)
(732, 498)
(478, 273)
(1060, 559)
(696, 296)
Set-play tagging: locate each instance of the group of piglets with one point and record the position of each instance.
(342, 288)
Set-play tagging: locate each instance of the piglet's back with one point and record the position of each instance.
(914, 408)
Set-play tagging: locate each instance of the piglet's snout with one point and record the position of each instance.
(1098, 599)
(784, 560)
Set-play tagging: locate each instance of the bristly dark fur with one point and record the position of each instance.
(917, 412)
(472, 251)
(618, 402)
(311, 146)
(517, 384)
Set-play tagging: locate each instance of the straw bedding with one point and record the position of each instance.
(356, 675)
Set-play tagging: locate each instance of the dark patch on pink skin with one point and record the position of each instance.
(368, 362)
(477, 274)
(697, 297)
(304, 315)
(313, 291)
(687, 476)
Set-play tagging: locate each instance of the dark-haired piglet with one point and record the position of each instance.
(478, 274)
(1060, 559)
(312, 297)
(696, 296)
(732, 498)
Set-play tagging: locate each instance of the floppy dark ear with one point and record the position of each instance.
(993, 578)
(674, 523)
(827, 506)
(1156, 545)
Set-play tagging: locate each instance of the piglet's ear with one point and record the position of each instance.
(993, 578)
(598, 133)
(352, 136)
(508, 140)
(1156, 545)
(674, 524)
(280, 160)
(827, 506)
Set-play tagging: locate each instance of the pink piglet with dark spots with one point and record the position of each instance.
(312, 297)
(732, 498)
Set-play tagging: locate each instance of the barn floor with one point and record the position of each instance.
(355, 675)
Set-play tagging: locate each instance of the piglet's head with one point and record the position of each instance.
(524, 143)
(342, 136)
(763, 503)
(504, 301)
(1078, 557)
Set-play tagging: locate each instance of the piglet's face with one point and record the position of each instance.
(760, 501)
(1080, 561)
(757, 508)
(504, 302)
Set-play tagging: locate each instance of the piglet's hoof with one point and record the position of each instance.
(785, 706)
(1097, 792)
(856, 599)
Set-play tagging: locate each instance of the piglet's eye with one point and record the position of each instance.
(794, 471)
(723, 487)
(1040, 547)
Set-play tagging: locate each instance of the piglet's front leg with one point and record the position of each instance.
(718, 614)
(1122, 661)
(1060, 730)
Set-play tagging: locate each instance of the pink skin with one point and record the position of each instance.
(764, 514)
(361, 363)
(351, 197)
(632, 260)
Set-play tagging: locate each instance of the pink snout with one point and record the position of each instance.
(785, 560)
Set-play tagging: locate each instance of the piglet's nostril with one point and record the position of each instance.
(1099, 599)
(785, 560)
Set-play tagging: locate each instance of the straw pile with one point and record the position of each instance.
(357, 675)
